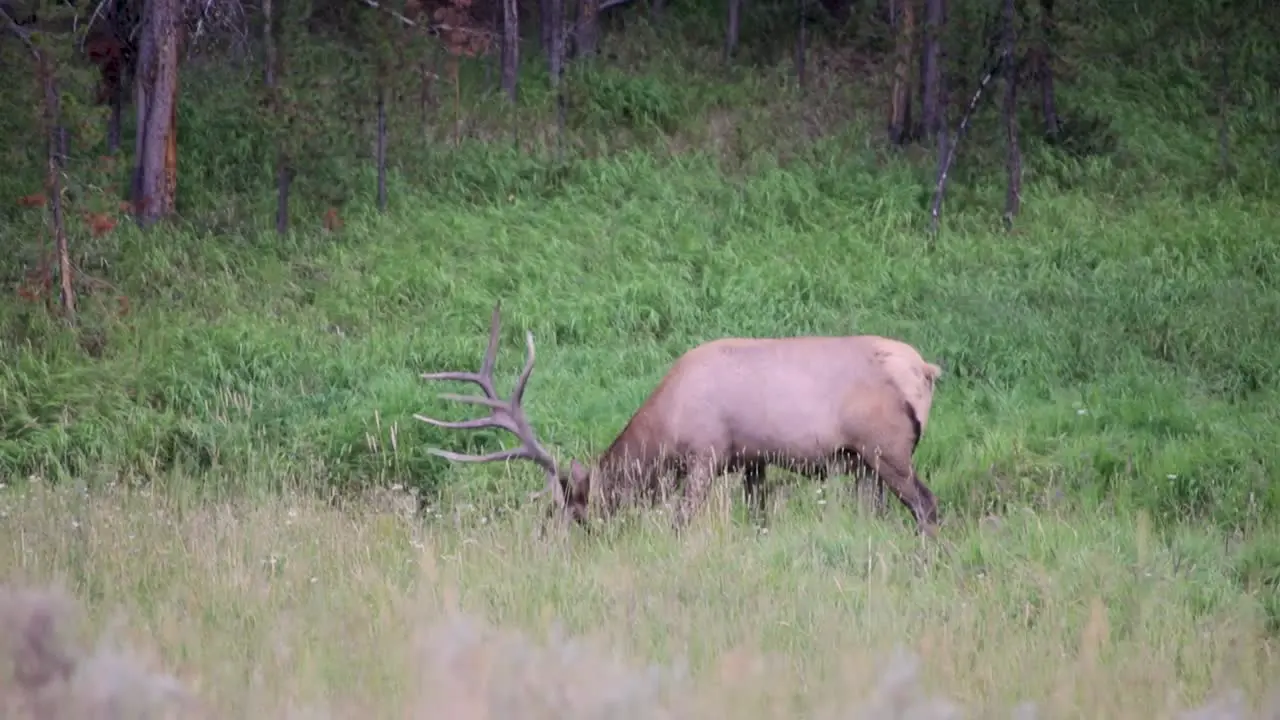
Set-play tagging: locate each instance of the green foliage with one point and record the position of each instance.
(1118, 349)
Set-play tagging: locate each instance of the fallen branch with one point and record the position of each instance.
(945, 166)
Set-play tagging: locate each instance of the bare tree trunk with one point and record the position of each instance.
(53, 187)
(55, 156)
(115, 76)
(284, 180)
(1223, 36)
(510, 48)
(1049, 105)
(555, 65)
(427, 69)
(271, 76)
(587, 36)
(382, 143)
(802, 41)
(269, 49)
(931, 105)
(733, 29)
(156, 172)
(903, 18)
(947, 146)
(546, 20)
(1224, 120)
(496, 25)
(1013, 199)
(113, 121)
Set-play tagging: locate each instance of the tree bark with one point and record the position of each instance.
(510, 49)
(269, 48)
(903, 18)
(156, 88)
(546, 20)
(587, 36)
(381, 150)
(53, 187)
(55, 157)
(555, 65)
(271, 76)
(1048, 102)
(1224, 119)
(802, 41)
(1013, 198)
(932, 105)
(733, 29)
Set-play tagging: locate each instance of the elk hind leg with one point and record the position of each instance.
(902, 480)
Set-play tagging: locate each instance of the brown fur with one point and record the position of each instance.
(814, 405)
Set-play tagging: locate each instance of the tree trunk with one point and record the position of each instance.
(510, 48)
(587, 35)
(381, 150)
(1013, 198)
(428, 71)
(1224, 119)
(802, 41)
(156, 87)
(546, 20)
(1224, 38)
(1049, 105)
(53, 186)
(733, 29)
(904, 21)
(271, 77)
(269, 49)
(113, 121)
(555, 65)
(933, 111)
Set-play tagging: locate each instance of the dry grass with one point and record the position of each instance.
(290, 608)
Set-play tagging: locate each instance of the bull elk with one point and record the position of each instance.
(812, 405)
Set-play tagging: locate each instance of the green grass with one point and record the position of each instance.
(1096, 354)
(1102, 442)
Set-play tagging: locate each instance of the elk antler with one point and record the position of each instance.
(506, 414)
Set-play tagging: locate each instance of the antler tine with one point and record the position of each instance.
(474, 424)
(516, 404)
(517, 393)
(491, 352)
(511, 454)
(483, 378)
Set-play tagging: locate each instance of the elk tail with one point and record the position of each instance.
(914, 417)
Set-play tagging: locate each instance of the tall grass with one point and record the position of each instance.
(290, 608)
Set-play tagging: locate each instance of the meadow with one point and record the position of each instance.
(217, 504)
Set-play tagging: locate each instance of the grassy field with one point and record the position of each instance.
(210, 502)
(290, 608)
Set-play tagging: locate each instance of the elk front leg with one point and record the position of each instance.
(867, 479)
(697, 487)
(755, 494)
